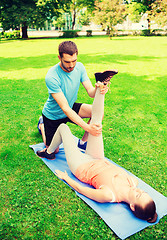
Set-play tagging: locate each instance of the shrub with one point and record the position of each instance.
(12, 35)
(7, 35)
(89, 33)
(70, 33)
(146, 32)
(16, 34)
(136, 32)
(159, 32)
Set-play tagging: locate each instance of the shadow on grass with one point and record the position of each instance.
(18, 63)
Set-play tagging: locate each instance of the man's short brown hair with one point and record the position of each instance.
(67, 47)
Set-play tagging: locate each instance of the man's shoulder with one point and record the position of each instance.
(53, 69)
(52, 75)
(79, 65)
(53, 72)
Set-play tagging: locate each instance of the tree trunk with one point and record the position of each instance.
(24, 31)
(108, 30)
(148, 20)
(73, 22)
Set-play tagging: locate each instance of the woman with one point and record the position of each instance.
(111, 183)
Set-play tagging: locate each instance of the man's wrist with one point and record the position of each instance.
(88, 128)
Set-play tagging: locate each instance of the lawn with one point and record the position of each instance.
(34, 203)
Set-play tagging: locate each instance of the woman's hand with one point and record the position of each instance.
(60, 174)
(98, 195)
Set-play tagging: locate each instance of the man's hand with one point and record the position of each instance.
(95, 129)
(103, 87)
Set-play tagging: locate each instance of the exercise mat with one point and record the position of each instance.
(117, 216)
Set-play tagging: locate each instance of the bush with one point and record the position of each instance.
(16, 34)
(159, 32)
(7, 35)
(12, 35)
(146, 32)
(70, 33)
(89, 33)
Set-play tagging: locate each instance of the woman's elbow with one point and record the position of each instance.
(108, 197)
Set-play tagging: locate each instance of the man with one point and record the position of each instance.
(63, 81)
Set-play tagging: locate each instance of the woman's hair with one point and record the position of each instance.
(148, 212)
(67, 47)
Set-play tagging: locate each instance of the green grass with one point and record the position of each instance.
(34, 203)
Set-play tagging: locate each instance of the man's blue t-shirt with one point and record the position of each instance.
(57, 81)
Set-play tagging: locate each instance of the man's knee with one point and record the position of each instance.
(85, 111)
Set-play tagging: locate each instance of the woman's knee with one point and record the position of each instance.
(63, 127)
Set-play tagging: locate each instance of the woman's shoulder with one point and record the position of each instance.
(134, 181)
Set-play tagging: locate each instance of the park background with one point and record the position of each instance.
(34, 203)
(77, 17)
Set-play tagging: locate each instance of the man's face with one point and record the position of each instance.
(68, 62)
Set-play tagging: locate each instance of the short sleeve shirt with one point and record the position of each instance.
(57, 81)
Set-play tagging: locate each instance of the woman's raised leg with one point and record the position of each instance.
(95, 147)
(73, 155)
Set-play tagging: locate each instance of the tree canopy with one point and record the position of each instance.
(109, 13)
(23, 13)
(135, 11)
(158, 12)
(146, 3)
(16, 13)
(74, 7)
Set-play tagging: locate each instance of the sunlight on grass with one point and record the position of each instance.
(35, 204)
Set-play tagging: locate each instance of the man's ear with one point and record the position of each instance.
(59, 57)
(132, 207)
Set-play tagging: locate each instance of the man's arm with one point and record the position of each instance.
(92, 90)
(62, 102)
(89, 88)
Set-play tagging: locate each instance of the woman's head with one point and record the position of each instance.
(146, 212)
(142, 205)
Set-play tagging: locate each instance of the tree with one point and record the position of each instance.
(148, 7)
(135, 11)
(23, 13)
(109, 12)
(146, 3)
(85, 17)
(60, 21)
(75, 6)
(158, 12)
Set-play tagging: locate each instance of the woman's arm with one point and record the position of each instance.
(98, 195)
